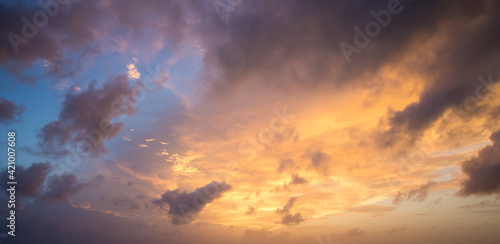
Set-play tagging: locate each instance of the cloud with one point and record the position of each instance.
(417, 195)
(286, 164)
(30, 179)
(251, 210)
(69, 26)
(183, 207)
(483, 171)
(9, 111)
(60, 187)
(85, 118)
(288, 218)
(124, 202)
(319, 161)
(356, 232)
(297, 180)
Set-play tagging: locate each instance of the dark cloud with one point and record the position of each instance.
(9, 111)
(288, 218)
(85, 118)
(356, 232)
(483, 171)
(60, 187)
(183, 206)
(124, 202)
(286, 164)
(297, 180)
(417, 195)
(251, 210)
(31, 179)
(319, 161)
(69, 26)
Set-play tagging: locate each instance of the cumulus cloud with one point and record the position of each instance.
(183, 207)
(417, 195)
(34, 182)
(30, 179)
(9, 111)
(483, 171)
(85, 118)
(288, 218)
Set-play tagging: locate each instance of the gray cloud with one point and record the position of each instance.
(286, 164)
(483, 171)
(60, 187)
(297, 180)
(85, 119)
(9, 111)
(183, 207)
(124, 202)
(69, 26)
(251, 210)
(319, 161)
(288, 218)
(30, 180)
(417, 195)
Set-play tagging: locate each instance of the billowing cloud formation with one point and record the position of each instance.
(183, 206)
(483, 170)
(34, 183)
(417, 195)
(9, 111)
(31, 178)
(288, 218)
(29, 37)
(85, 119)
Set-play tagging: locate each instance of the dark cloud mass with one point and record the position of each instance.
(184, 206)
(30, 179)
(60, 187)
(288, 218)
(9, 111)
(417, 195)
(85, 119)
(297, 180)
(483, 171)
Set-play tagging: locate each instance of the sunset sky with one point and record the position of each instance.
(251, 121)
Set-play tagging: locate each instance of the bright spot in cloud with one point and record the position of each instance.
(132, 71)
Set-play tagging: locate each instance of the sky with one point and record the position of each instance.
(250, 121)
